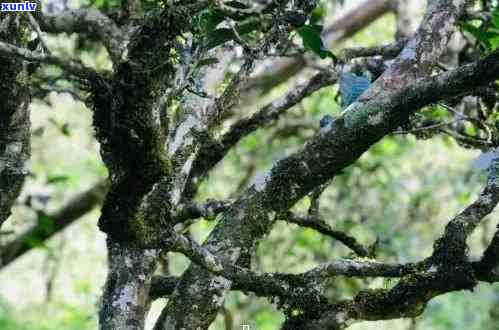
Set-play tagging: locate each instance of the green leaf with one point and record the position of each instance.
(58, 178)
(209, 20)
(46, 223)
(65, 129)
(311, 38)
(318, 28)
(33, 241)
(494, 42)
(480, 35)
(222, 35)
(491, 34)
(219, 36)
(495, 19)
(45, 227)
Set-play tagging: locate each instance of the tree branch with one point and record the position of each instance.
(297, 290)
(194, 210)
(74, 67)
(322, 227)
(408, 298)
(488, 267)
(446, 270)
(213, 152)
(89, 21)
(451, 247)
(386, 51)
(211, 208)
(386, 105)
(73, 210)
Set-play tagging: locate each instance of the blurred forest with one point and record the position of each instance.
(398, 196)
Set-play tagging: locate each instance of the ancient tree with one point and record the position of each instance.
(160, 115)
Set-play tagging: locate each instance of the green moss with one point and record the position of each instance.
(380, 304)
(451, 248)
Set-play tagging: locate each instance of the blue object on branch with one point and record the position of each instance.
(326, 120)
(351, 87)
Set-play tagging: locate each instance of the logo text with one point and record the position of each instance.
(18, 6)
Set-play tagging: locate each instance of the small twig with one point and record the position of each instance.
(342, 267)
(187, 215)
(238, 12)
(468, 140)
(74, 67)
(389, 51)
(470, 119)
(316, 223)
(208, 210)
(237, 36)
(454, 111)
(428, 127)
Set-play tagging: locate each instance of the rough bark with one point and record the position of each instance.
(129, 112)
(446, 270)
(199, 295)
(14, 118)
(153, 155)
(88, 21)
(126, 294)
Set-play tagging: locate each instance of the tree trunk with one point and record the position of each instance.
(125, 300)
(14, 119)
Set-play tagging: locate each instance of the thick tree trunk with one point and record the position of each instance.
(14, 119)
(125, 300)
(132, 138)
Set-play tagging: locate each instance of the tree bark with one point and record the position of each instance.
(125, 300)
(153, 146)
(14, 118)
(199, 295)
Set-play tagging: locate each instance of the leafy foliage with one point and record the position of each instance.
(486, 33)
